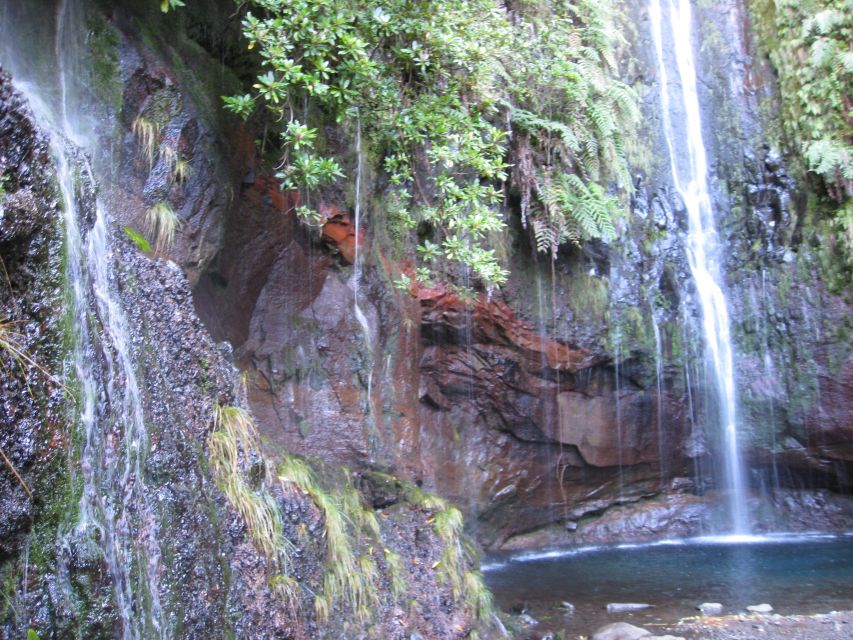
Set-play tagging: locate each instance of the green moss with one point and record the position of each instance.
(589, 296)
(58, 494)
(103, 42)
(633, 330)
(8, 592)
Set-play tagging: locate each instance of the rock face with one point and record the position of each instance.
(525, 417)
(30, 397)
(577, 390)
(210, 576)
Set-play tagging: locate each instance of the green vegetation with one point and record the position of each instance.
(350, 577)
(165, 5)
(449, 95)
(808, 43)
(352, 536)
(148, 134)
(161, 223)
(397, 573)
(231, 443)
(446, 520)
(234, 436)
(571, 117)
(179, 168)
(138, 239)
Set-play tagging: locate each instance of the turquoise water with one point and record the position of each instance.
(802, 574)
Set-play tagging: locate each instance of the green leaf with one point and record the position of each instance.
(165, 5)
(138, 239)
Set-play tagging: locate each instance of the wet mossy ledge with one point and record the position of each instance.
(380, 552)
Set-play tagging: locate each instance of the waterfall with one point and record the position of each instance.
(116, 516)
(688, 164)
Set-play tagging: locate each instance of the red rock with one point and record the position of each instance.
(339, 232)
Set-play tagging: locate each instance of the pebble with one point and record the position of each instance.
(759, 608)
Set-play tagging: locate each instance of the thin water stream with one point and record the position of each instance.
(356, 275)
(663, 471)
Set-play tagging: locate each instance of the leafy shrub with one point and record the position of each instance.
(451, 94)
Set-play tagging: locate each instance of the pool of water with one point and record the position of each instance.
(795, 574)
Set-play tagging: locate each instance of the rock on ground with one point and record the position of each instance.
(620, 631)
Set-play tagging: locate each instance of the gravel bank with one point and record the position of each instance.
(830, 626)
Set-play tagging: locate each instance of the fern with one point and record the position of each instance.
(570, 118)
(574, 211)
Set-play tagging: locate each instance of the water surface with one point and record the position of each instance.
(802, 574)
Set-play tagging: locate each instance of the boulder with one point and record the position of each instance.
(620, 631)
(710, 608)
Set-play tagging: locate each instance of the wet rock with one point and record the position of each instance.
(710, 608)
(671, 516)
(620, 631)
(760, 608)
(31, 400)
(485, 368)
(527, 620)
(338, 233)
(380, 489)
(621, 607)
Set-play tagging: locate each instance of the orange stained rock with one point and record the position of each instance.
(494, 322)
(339, 232)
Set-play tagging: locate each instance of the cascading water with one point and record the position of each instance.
(116, 518)
(690, 176)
